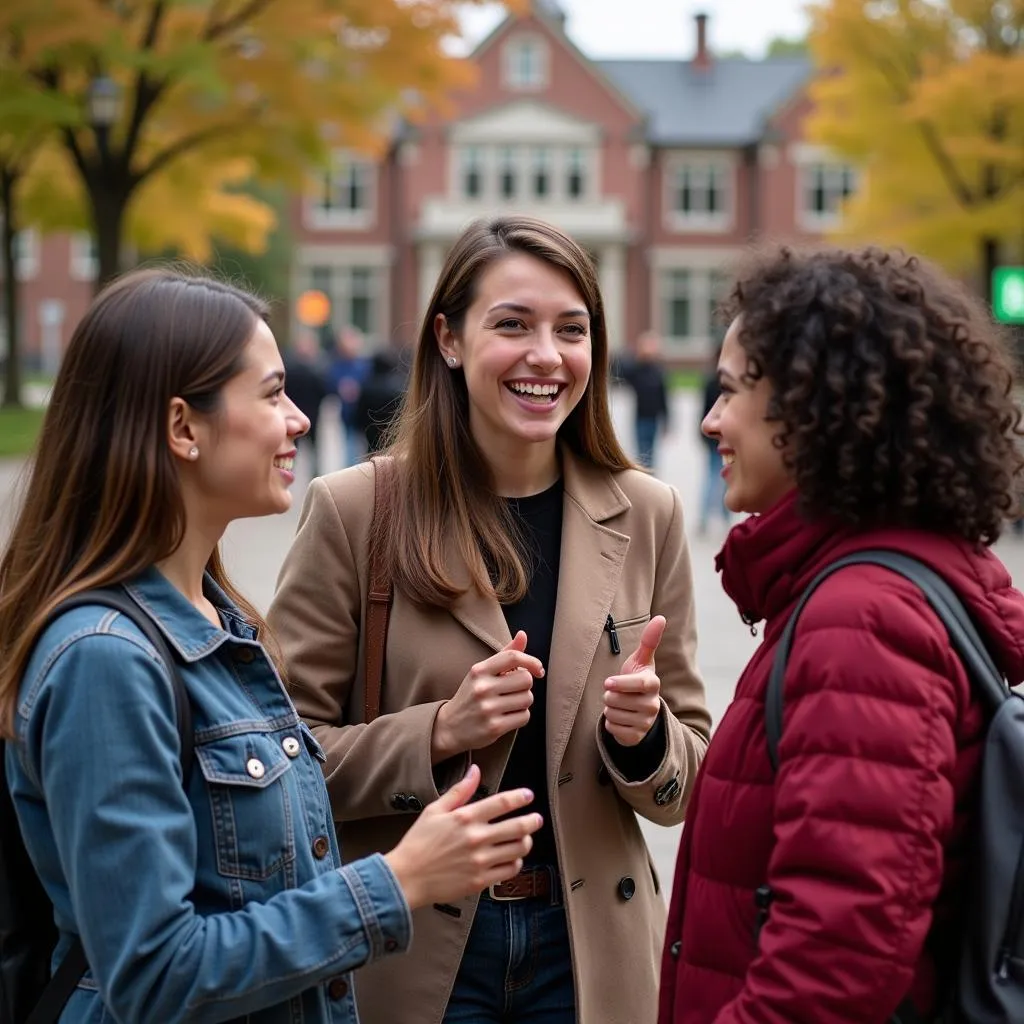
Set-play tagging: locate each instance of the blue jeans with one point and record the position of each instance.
(713, 498)
(517, 968)
(646, 438)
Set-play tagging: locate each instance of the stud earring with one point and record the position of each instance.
(452, 361)
(193, 452)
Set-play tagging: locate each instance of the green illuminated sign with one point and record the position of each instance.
(1008, 295)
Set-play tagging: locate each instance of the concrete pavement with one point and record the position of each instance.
(254, 550)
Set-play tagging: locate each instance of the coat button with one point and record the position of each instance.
(254, 766)
(291, 746)
(400, 802)
(390, 945)
(337, 988)
(675, 949)
(321, 847)
(413, 803)
(627, 888)
(244, 655)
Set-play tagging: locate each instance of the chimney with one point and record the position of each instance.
(702, 58)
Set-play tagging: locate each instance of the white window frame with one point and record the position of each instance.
(468, 156)
(341, 291)
(84, 261)
(588, 172)
(536, 70)
(26, 254)
(509, 159)
(342, 164)
(668, 293)
(836, 173)
(542, 162)
(701, 166)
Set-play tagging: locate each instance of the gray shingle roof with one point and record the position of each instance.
(726, 105)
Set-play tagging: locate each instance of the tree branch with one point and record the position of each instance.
(187, 143)
(147, 92)
(249, 10)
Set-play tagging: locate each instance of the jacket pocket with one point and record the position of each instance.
(253, 824)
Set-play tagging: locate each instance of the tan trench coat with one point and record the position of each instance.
(624, 553)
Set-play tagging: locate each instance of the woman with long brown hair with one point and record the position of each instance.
(215, 893)
(533, 570)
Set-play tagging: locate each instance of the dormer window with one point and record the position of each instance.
(526, 63)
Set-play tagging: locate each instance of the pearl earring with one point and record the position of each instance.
(452, 361)
(193, 452)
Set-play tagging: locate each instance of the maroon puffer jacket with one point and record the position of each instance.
(862, 833)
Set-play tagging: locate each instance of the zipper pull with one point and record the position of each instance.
(613, 637)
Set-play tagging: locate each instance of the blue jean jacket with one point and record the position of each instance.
(223, 901)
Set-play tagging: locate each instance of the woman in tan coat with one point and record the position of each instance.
(534, 569)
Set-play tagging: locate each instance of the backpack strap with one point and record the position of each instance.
(986, 679)
(381, 589)
(72, 968)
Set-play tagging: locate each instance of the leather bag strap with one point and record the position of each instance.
(381, 590)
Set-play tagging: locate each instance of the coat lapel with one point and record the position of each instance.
(588, 577)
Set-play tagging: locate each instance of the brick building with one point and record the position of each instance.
(663, 169)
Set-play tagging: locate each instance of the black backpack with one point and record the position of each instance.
(987, 985)
(28, 935)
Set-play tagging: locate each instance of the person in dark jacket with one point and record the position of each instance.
(646, 376)
(866, 403)
(306, 376)
(380, 399)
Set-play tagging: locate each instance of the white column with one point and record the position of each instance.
(431, 259)
(612, 275)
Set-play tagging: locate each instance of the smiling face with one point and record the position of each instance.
(755, 473)
(525, 350)
(247, 448)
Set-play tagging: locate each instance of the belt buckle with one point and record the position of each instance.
(502, 899)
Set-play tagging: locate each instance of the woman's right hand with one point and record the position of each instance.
(455, 848)
(493, 699)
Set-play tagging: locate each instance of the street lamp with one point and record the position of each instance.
(104, 108)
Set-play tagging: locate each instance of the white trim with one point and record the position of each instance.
(720, 222)
(525, 121)
(84, 261)
(26, 254)
(701, 264)
(813, 221)
(319, 219)
(518, 41)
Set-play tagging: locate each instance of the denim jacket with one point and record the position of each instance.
(220, 902)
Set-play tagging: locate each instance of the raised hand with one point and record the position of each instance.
(632, 699)
(455, 848)
(493, 699)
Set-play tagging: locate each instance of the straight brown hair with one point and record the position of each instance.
(103, 501)
(445, 488)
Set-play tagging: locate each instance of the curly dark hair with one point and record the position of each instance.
(892, 385)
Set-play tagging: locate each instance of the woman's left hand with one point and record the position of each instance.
(632, 699)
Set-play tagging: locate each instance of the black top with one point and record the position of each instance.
(540, 520)
(647, 379)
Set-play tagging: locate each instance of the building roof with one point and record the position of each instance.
(727, 104)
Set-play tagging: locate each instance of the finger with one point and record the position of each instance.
(461, 793)
(513, 830)
(646, 705)
(508, 660)
(503, 872)
(638, 682)
(626, 719)
(500, 804)
(517, 681)
(649, 640)
(508, 703)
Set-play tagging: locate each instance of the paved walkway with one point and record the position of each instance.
(255, 548)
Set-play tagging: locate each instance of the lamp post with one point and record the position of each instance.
(106, 187)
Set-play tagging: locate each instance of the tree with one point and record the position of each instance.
(781, 46)
(928, 98)
(180, 101)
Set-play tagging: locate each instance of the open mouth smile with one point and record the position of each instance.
(536, 394)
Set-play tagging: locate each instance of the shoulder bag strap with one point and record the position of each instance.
(74, 965)
(381, 589)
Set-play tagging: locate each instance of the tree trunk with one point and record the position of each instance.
(989, 262)
(108, 208)
(12, 397)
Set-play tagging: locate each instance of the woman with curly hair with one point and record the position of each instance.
(866, 403)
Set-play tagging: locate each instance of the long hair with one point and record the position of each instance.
(445, 489)
(104, 501)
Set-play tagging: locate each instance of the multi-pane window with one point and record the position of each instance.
(352, 292)
(346, 192)
(826, 186)
(507, 172)
(700, 192)
(575, 173)
(472, 172)
(541, 172)
(85, 257)
(676, 295)
(525, 63)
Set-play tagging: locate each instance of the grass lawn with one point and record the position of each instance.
(18, 430)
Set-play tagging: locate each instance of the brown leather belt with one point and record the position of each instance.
(529, 882)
